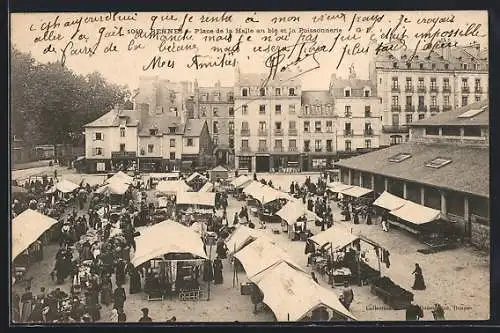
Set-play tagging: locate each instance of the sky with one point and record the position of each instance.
(125, 67)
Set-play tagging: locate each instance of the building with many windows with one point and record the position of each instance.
(444, 166)
(216, 106)
(416, 87)
(266, 117)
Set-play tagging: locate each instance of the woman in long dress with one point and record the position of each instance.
(27, 305)
(120, 272)
(218, 279)
(16, 315)
(106, 290)
(135, 279)
(419, 283)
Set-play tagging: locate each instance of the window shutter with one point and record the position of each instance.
(102, 136)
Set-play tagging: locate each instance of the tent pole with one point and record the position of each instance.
(210, 261)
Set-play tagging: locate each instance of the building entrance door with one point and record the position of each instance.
(262, 163)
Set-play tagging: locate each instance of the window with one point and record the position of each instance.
(408, 65)
(172, 143)
(244, 126)
(465, 100)
(368, 143)
(151, 148)
(409, 118)
(446, 83)
(477, 83)
(262, 109)
(465, 66)
(98, 151)
(395, 119)
(216, 127)
(278, 91)
(433, 66)
(317, 145)
(399, 157)
(347, 145)
(329, 145)
(347, 127)
(277, 125)
(438, 162)
(408, 100)
(472, 131)
(231, 127)
(215, 140)
(446, 66)
(367, 93)
(421, 66)
(450, 131)
(368, 112)
(122, 147)
(244, 109)
(434, 100)
(306, 126)
(421, 116)
(329, 126)
(347, 111)
(465, 83)
(190, 142)
(230, 96)
(291, 108)
(153, 131)
(433, 83)
(262, 126)
(394, 65)
(99, 136)
(395, 100)
(477, 67)
(306, 145)
(244, 92)
(277, 108)
(262, 91)
(172, 156)
(278, 143)
(215, 110)
(204, 97)
(291, 91)
(408, 83)
(347, 92)
(478, 98)
(421, 100)
(203, 111)
(446, 100)
(217, 96)
(231, 143)
(317, 126)
(432, 130)
(368, 127)
(292, 143)
(244, 144)
(262, 144)
(231, 111)
(395, 83)
(292, 125)
(420, 82)
(171, 130)
(122, 132)
(306, 109)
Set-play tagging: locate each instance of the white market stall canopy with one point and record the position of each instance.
(164, 176)
(241, 181)
(339, 237)
(355, 191)
(253, 188)
(167, 237)
(172, 186)
(292, 294)
(120, 177)
(295, 209)
(242, 236)
(207, 187)
(195, 175)
(416, 214)
(336, 187)
(65, 186)
(270, 194)
(196, 198)
(389, 201)
(27, 227)
(114, 187)
(259, 256)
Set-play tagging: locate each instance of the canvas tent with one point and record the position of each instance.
(336, 187)
(241, 181)
(253, 189)
(195, 175)
(291, 294)
(218, 172)
(115, 187)
(172, 186)
(65, 186)
(389, 201)
(27, 227)
(295, 209)
(416, 214)
(338, 236)
(208, 187)
(355, 191)
(196, 198)
(164, 238)
(241, 237)
(120, 177)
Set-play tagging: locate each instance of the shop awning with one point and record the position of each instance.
(172, 186)
(295, 209)
(196, 198)
(260, 255)
(241, 237)
(336, 187)
(291, 294)
(65, 186)
(120, 177)
(164, 238)
(241, 181)
(389, 201)
(355, 191)
(27, 227)
(207, 187)
(338, 236)
(254, 188)
(195, 175)
(416, 214)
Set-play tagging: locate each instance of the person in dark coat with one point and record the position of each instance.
(356, 217)
(218, 278)
(122, 317)
(106, 289)
(208, 273)
(26, 305)
(37, 313)
(313, 276)
(145, 316)
(16, 313)
(120, 272)
(292, 188)
(369, 216)
(414, 312)
(119, 297)
(419, 283)
(135, 279)
(221, 249)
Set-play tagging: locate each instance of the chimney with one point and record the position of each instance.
(143, 108)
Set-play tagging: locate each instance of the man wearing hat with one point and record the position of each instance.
(145, 316)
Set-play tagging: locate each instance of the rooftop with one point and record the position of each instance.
(193, 127)
(162, 122)
(112, 119)
(459, 116)
(315, 97)
(467, 172)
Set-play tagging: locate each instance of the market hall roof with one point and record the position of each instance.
(475, 114)
(112, 119)
(316, 97)
(467, 172)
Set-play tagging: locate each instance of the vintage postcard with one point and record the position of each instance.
(249, 167)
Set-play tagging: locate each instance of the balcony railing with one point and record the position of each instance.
(421, 89)
(446, 89)
(434, 89)
(293, 149)
(263, 149)
(278, 132)
(318, 149)
(395, 129)
(422, 108)
(245, 132)
(329, 149)
(409, 108)
(262, 132)
(307, 149)
(409, 89)
(478, 90)
(395, 89)
(348, 133)
(231, 131)
(446, 107)
(396, 108)
(292, 132)
(278, 149)
(465, 90)
(368, 132)
(434, 108)
(245, 149)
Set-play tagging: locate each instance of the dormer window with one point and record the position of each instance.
(394, 65)
(446, 66)
(465, 66)
(171, 130)
(367, 92)
(278, 91)
(217, 96)
(291, 91)
(262, 91)
(153, 131)
(347, 92)
(421, 66)
(122, 131)
(244, 92)
(477, 67)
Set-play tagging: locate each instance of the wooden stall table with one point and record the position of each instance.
(339, 276)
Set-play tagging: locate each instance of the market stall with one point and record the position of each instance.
(241, 237)
(238, 184)
(217, 173)
(208, 187)
(174, 257)
(292, 295)
(195, 206)
(335, 188)
(172, 187)
(116, 191)
(120, 177)
(295, 217)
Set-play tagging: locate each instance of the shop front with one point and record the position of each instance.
(123, 160)
(285, 162)
(262, 163)
(97, 165)
(244, 163)
(150, 164)
(318, 162)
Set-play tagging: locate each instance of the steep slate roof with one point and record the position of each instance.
(193, 127)
(451, 118)
(337, 86)
(315, 97)
(162, 122)
(468, 172)
(257, 79)
(112, 119)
